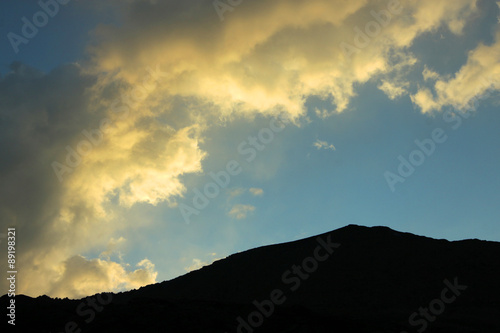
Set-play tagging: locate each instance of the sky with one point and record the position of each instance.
(143, 139)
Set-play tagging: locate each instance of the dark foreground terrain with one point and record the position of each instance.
(354, 279)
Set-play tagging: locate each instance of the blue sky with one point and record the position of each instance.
(115, 221)
(63, 39)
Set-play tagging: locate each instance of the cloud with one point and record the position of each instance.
(323, 113)
(425, 100)
(261, 58)
(392, 90)
(323, 145)
(235, 192)
(429, 75)
(112, 248)
(256, 191)
(137, 160)
(198, 263)
(240, 211)
(81, 277)
(476, 80)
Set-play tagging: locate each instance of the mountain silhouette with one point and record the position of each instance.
(353, 279)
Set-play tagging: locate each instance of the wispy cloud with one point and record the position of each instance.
(478, 76)
(256, 191)
(80, 276)
(322, 113)
(319, 144)
(235, 192)
(393, 89)
(198, 263)
(240, 211)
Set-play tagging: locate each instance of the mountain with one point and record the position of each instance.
(353, 279)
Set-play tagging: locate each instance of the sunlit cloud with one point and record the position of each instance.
(256, 191)
(235, 192)
(393, 90)
(81, 277)
(198, 263)
(319, 144)
(429, 75)
(240, 211)
(477, 79)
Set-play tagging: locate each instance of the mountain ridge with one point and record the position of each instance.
(375, 279)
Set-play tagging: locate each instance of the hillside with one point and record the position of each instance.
(353, 279)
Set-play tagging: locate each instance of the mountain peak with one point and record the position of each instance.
(356, 279)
